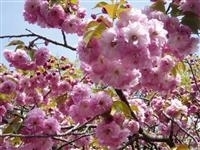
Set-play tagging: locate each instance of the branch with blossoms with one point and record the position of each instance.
(145, 136)
(137, 86)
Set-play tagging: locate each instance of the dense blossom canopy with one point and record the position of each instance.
(138, 86)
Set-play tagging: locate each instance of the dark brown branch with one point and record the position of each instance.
(32, 34)
(64, 38)
(148, 138)
(17, 36)
(51, 41)
(72, 141)
(123, 98)
(144, 136)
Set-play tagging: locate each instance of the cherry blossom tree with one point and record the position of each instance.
(136, 84)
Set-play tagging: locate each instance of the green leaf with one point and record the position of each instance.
(122, 107)
(115, 9)
(16, 42)
(6, 97)
(61, 99)
(179, 68)
(185, 79)
(20, 46)
(191, 20)
(31, 53)
(95, 30)
(182, 70)
(175, 11)
(16, 141)
(159, 5)
(13, 126)
(134, 108)
(74, 1)
(2, 68)
(181, 147)
(111, 9)
(100, 4)
(62, 2)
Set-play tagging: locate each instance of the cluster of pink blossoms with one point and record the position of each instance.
(86, 104)
(134, 52)
(111, 134)
(35, 89)
(138, 51)
(20, 59)
(68, 17)
(180, 41)
(36, 123)
(189, 6)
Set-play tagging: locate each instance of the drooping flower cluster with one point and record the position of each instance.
(111, 134)
(190, 6)
(20, 59)
(47, 103)
(37, 123)
(180, 40)
(135, 52)
(87, 104)
(68, 16)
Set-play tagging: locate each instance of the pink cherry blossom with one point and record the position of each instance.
(51, 126)
(41, 56)
(35, 121)
(8, 87)
(55, 16)
(100, 103)
(191, 6)
(111, 134)
(133, 126)
(79, 92)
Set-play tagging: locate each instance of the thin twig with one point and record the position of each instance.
(17, 36)
(51, 41)
(64, 38)
(72, 141)
(40, 37)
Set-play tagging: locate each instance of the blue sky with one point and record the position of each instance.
(12, 23)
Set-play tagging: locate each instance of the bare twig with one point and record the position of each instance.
(32, 34)
(64, 37)
(51, 41)
(72, 141)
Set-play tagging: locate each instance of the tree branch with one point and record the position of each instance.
(145, 136)
(32, 34)
(123, 98)
(64, 38)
